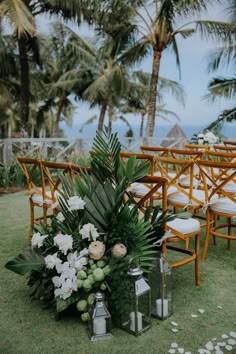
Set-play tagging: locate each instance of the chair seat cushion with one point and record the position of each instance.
(184, 181)
(224, 205)
(185, 226)
(38, 199)
(230, 187)
(142, 189)
(179, 198)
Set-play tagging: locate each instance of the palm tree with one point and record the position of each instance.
(21, 15)
(158, 23)
(223, 87)
(137, 99)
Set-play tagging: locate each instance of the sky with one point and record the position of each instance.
(194, 79)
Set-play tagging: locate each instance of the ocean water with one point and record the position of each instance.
(228, 131)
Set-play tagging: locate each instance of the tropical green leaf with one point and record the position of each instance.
(25, 262)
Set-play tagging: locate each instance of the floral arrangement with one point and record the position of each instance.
(94, 238)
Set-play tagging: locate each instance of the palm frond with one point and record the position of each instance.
(221, 88)
(220, 31)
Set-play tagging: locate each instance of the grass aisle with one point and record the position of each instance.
(25, 328)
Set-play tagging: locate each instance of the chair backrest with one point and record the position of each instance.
(52, 171)
(155, 150)
(180, 176)
(225, 148)
(216, 183)
(199, 147)
(153, 186)
(142, 157)
(33, 172)
(221, 156)
(227, 142)
(185, 154)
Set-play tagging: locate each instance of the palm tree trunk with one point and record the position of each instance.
(102, 117)
(153, 92)
(58, 116)
(141, 125)
(24, 87)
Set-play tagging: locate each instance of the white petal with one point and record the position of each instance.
(229, 348)
(201, 311)
(194, 316)
(174, 345)
(174, 330)
(232, 334)
(231, 342)
(174, 323)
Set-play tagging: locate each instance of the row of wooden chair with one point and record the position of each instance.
(200, 184)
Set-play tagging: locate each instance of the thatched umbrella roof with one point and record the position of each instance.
(175, 138)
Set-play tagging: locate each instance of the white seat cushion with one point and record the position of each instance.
(185, 226)
(38, 199)
(182, 199)
(230, 187)
(224, 205)
(184, 181)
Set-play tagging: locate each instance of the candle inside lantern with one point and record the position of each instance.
(139, 321)
(99, 325)
(162, 304)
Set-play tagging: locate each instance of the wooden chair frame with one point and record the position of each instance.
(30, 168)
(214, 214)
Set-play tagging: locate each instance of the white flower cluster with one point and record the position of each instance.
(66, 283)
(37, 240)
(63, 242)
(76, 203)
(89, 231)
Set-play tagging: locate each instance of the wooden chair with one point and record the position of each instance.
(176, 230)
(52, 171)
(225, 148)
(155, 150)
(220, 202)
(38, 196)
(198, 147)
(230, 143)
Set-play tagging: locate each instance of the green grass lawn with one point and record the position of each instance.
(25, 328)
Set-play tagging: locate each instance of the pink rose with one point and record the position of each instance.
(96, 250)
(119, 250)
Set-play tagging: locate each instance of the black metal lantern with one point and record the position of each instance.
(160, 279)
(136, 316)
(100, 325)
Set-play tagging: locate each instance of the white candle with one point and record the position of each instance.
(159, 307)
(139, 321)
(99, 325)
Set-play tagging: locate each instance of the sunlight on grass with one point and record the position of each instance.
(25, 328)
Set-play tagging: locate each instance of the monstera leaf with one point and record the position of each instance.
(26, 262)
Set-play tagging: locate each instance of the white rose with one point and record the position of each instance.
(52, 261)
(76, 203)
(37, 240)
(64, 242)
(89, 231)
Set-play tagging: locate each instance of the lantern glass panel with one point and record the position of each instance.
(136, 314)
(160, 279)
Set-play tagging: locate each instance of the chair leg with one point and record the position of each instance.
(197, 265)
(229, 233)
(208, 228)
(31, 221)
